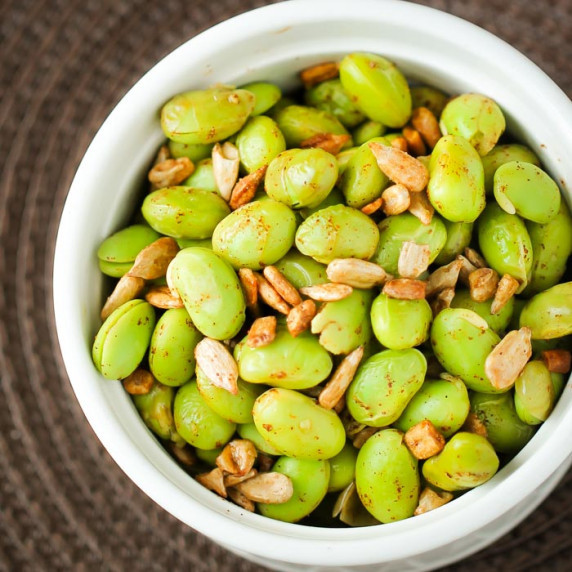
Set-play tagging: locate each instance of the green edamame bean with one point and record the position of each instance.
(551, 247)
(182, 212)
(195, 152)
(202, 117)
(256, 234)
(280, 105)
(343, 158)
(337, 232)
(294, 424)
(395, 230)
(459, 236)
(462, 341)
(444, 402)
(235, 408)
(197, 423)
(250, 432)
(456, 187)
(468, 460)
(330, 96)
(293, 363)
(301, 177)
(387, 477)
(505, 243)
(525, 189)
(344, 325)
(210, 291)
(259, 142)
(189, 242)
(476, 118)
(362, 180)
(505, 431)
(400, 324)
(377, 88)
(156, 410)
(534, 393)
(298, 123)
(429, 97)
(558, 383)
(549, 314)
(208, 456)
(342, 468)
(171, 355)
(117, 253)
(367, 131)
(123, 339)
(497, 322)
(384, 385)
(335, 197)
(203, 177)
(267, 96)
(310, 482)
(501, 154)
(301, 270)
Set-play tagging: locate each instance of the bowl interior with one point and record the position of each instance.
(274, 44)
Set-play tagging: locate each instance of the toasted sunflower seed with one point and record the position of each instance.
(329, 292)
(233, 480)
(356, 273)
(241, 500)
(249, 286)
(421, 207)
(226, 161)
(506, 289)
(372, 207)
(427, 125)
(245, 189)
(128, 288)
(444, 277)
(267, 488)
(327, 141)
(442, 301)
(507, 360)
(139, 382)
(557, 361)
(335, 389)
(282, 285)
(171, 172)
(262, 332)
(237, 458)
(401, 167)
(466, 268)
(413, 259)
(405, 289)
(300, 317)
(214, 481)
(320, 72)
(483, 284)
(162, 297)
(217, 364)
(270, 296)
(474, 258)
(430, 500)
(396, 200)
(415, 143)
(152, 262)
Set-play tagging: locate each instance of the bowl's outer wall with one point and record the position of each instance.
(274, 43)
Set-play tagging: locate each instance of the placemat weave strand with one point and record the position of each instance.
(64, 504)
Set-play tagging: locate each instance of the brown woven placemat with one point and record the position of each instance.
(64, 504)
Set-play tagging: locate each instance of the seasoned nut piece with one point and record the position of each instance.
(557, 361)
(233, 480)
(340, 405)
(405, 289)
(128, 288)
(466, 269)
(483, 284)
(427, 125)
(171, 172)
(372, 207)
(444, 277)
(213, 481)
(363, 435)
(320, 72)
(327, 141)
(162, 155)
(400, 143)
(249, 286)
(226, 161)
(245, 189)
(442, 300)
(241, 500)
(506, 289)
(415, 143)
(282, 286)
(474, 258)
(328, 292)
(139, 382)
(423, 440)
(162, 297)
(269, 296)
(267, 488)
(413, 259)
(265, 462)
(401, 167)
(421, 207)
(356, 273)
(395, 200)
(504, 364)
(474, 425)
(262, 332)
(217, 364)
(430, 500)
(300, 317)
(335, 389)
(152, 262)
(185, 454)
(237, 458)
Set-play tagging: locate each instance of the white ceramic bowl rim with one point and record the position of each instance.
(203, 511)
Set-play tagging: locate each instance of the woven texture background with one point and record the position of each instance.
(64, 504)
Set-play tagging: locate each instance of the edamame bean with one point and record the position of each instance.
(203, 177)
(301, 270)
(250, 432)
(534, 393)
(266, 96)
(259, 142)
(195, 152)
(497, 322)
(335, 197)
(208, 456)
(255, 235)
(429, 97)
(210, 290)
(387, 477)
(459, 236)
(342, 468)
(367, 131)
(197, 423)
(384, 385)
(294, 424)
(468, 460)
(501, 154)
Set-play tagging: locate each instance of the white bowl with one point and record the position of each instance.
(274, 43)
